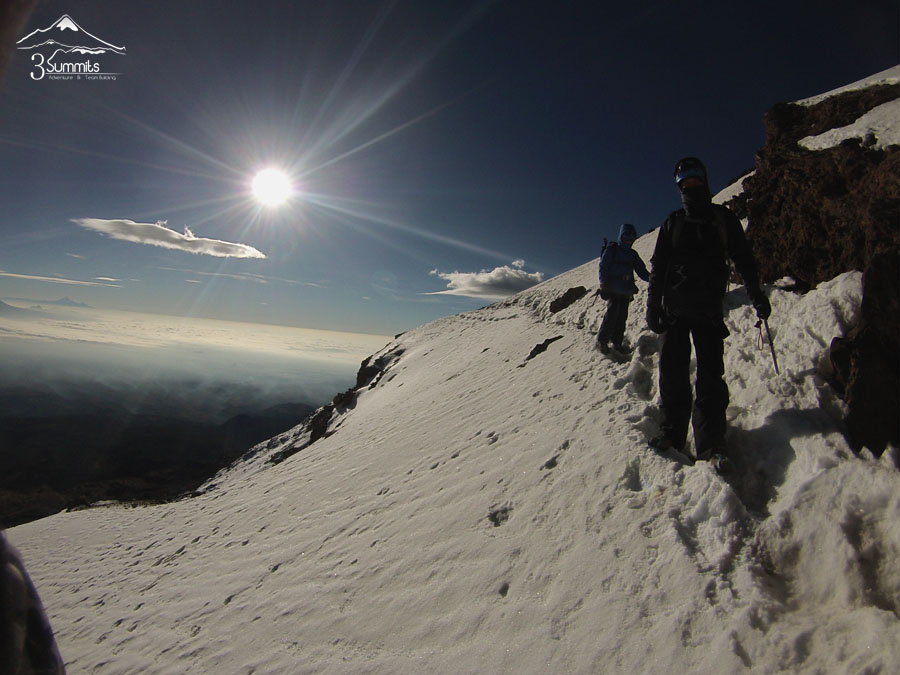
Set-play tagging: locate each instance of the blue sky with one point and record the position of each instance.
(427, 141)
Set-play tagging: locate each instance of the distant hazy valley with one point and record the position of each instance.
(84, 444)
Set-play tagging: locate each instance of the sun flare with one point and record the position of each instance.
(271, 187)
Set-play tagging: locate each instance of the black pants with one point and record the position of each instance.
(675, 383)
(613, 327)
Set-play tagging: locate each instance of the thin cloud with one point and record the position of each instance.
(253, 278)
(496, 284)
(157, 234)
(57, 280)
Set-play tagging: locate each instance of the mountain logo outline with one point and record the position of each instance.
(65, 50)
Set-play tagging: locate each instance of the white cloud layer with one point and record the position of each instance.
(190, 364)
(496, 284)
(61, 280)
(157, 234)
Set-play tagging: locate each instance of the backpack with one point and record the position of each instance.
(712, 247)
(698, 271)
(603, 249)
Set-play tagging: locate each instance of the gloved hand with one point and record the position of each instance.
(657, 321)
(761, 305)
(604, 292)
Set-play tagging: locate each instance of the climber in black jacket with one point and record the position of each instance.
(688, 279)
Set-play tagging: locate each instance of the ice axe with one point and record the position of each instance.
(759, 325)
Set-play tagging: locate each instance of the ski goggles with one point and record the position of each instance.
(689, 172)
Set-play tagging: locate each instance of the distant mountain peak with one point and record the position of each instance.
(68, 302)
(11, 310)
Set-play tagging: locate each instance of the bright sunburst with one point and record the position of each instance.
(271, 187)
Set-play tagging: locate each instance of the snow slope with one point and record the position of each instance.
(888, 76)
(479, 511)
(879, 128)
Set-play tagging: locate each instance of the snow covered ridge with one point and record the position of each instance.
(889, 76)
(485, 503)
(877, 128)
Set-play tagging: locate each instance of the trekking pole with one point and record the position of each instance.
(759, 325)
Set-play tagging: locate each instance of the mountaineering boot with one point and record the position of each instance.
(623, 348)
(717, 457)
(721, 464)
(662, 443)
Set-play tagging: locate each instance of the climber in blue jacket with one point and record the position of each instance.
(617, 269)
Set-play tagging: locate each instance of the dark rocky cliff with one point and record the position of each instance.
(816, 214)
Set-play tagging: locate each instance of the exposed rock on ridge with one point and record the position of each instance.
(816, 214)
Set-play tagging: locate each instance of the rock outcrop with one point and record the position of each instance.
(814, 214)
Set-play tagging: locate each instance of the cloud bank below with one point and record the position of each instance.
(157, 234)
(101, 281)
(496, 284)
(202, 369)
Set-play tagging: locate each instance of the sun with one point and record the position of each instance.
(271, 187)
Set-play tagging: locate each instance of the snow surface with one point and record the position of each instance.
(479, 511)
(733, 190)
(889, 76)
(879, 127)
